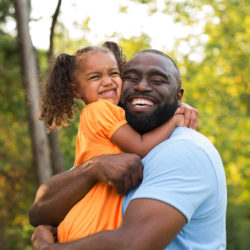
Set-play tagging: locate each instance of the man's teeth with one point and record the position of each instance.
(142, 102)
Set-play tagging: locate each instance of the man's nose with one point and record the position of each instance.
(143, 86)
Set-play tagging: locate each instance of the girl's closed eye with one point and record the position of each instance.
(115, 73)
(94, 77)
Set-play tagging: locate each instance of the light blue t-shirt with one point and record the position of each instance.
(186, 172)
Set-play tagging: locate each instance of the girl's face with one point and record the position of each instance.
(98, 77)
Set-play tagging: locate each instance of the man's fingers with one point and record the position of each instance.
(43, 233)
(127, 184)
(137, 174)
(55, 233)
(33, 237)
(140, 170)
(123, 173)
(135, 179)
(119, 187)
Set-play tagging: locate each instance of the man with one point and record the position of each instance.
(181, 202)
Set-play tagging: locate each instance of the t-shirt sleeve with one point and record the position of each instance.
(180, 175)
(103, 118)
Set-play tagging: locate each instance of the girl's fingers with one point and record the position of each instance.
(180, 110)
(187, 118)
(194, 119)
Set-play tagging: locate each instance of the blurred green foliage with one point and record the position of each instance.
(217, 84)
(17, 178)
(134, 44)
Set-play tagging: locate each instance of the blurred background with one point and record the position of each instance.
(209, 40)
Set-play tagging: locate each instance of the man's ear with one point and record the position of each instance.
(75, 91)
(179, 95)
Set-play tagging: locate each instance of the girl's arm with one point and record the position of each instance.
(130, 141)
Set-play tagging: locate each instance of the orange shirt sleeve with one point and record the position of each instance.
(103, 118)
(98, 122)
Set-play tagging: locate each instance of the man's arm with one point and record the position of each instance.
(57, 196)
(148, 224)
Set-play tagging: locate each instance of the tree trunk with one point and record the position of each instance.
(30, 83)
(56, 154)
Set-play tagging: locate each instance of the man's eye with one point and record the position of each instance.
(131, 78)
(158, 81)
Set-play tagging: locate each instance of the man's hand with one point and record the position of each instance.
(122, 171)
(57, 196)
(191, 115)
(43, 236)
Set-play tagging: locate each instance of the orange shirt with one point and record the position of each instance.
(101, 208)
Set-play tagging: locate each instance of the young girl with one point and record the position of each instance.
(92, 74)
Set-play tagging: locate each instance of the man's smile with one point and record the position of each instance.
(141, 103)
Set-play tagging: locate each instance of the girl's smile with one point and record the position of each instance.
(97, 77)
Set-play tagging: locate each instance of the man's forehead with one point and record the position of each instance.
(150, 61)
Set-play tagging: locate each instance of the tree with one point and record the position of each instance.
(30, 84)
(56, 155)
(17, 176)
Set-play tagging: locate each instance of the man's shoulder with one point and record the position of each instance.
(183, 147)
(189, 135)
(186, 161)
(180, 139)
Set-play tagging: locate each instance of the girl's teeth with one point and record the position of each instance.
(108, 92)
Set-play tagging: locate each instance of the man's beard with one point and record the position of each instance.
(144, 124)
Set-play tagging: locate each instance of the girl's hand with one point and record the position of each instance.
(179, 120)
(191, 115)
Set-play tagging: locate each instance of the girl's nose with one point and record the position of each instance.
(107, 81)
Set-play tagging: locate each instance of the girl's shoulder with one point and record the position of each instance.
(102, 110)
(101, 106)
(102, 115)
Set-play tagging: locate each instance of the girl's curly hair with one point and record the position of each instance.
(58, 104)
(117, 51)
